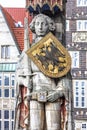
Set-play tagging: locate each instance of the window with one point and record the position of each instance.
(77, 101)
(75, 59)
(12, 125)
(83, 88)
(81, 2)
(6, 114)
(77, 90)
(0, 114)
(0, 92)
(6, 79)
(5, 51)
(83, 126)
(12, 120)
(7, 119)
(6, 92)
(82, 83)
(0, 80)
(12, 114)
(83, 102)
(83, 91)
(12, 92)
(81, 25)
(13, 80)
(0, 125)
(6, 125)
(79, 93)
(77, 83)
(67, 25)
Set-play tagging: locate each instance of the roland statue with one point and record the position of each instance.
(49, 97)
(47, 103)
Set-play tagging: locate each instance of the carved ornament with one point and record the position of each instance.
(79, 37)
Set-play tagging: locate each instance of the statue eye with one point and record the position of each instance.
(37, 23)
(44, 24)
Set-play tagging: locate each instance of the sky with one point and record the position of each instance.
(12, 3)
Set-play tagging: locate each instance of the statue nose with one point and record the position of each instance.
(40, 26)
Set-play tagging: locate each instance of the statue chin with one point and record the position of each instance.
(42, 34)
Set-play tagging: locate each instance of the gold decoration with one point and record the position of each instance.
(50, 56)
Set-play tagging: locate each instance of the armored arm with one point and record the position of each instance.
(61, 91)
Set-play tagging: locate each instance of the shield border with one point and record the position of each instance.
(59, 46)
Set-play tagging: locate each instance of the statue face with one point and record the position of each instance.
(41, 26)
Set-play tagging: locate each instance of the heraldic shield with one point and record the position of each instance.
(50, 56)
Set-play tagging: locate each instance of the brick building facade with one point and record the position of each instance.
(76, 43)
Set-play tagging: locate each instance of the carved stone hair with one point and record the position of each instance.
(48, 19)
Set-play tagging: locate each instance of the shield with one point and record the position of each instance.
(50, 56)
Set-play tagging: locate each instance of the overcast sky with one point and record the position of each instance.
(12, 3)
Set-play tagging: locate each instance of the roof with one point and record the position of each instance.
(17, 14)
(12, 16)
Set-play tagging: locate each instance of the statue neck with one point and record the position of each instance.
(38, 39)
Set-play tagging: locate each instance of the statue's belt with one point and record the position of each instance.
(40, 96)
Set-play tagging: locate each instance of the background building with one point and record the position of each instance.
(11, 46)
(76, 41)
(10, 32)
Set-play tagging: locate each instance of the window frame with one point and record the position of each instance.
(6, 94)
(77, 101)
(75, 59)
(81, 25)
(12, 80)
(0, 79)
(83, 126)
(67, 25)
(6, 79)
(5, 124)
(0, 124)
(12, 93)
(81, 97)
(0, 92)
(83, 3)
(6, 114)
(5, 51)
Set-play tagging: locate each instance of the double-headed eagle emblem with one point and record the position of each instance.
(50, 56)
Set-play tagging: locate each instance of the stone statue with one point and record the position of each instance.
(49, 98)
(48, 115)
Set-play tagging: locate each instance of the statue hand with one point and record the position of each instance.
(53, 96)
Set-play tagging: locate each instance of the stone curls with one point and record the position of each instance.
(49, 21)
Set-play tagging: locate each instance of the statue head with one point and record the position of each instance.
(42, 24)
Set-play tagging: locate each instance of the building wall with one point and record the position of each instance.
(76, 43)
(8, 60)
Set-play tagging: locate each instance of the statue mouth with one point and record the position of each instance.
(40, 31)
